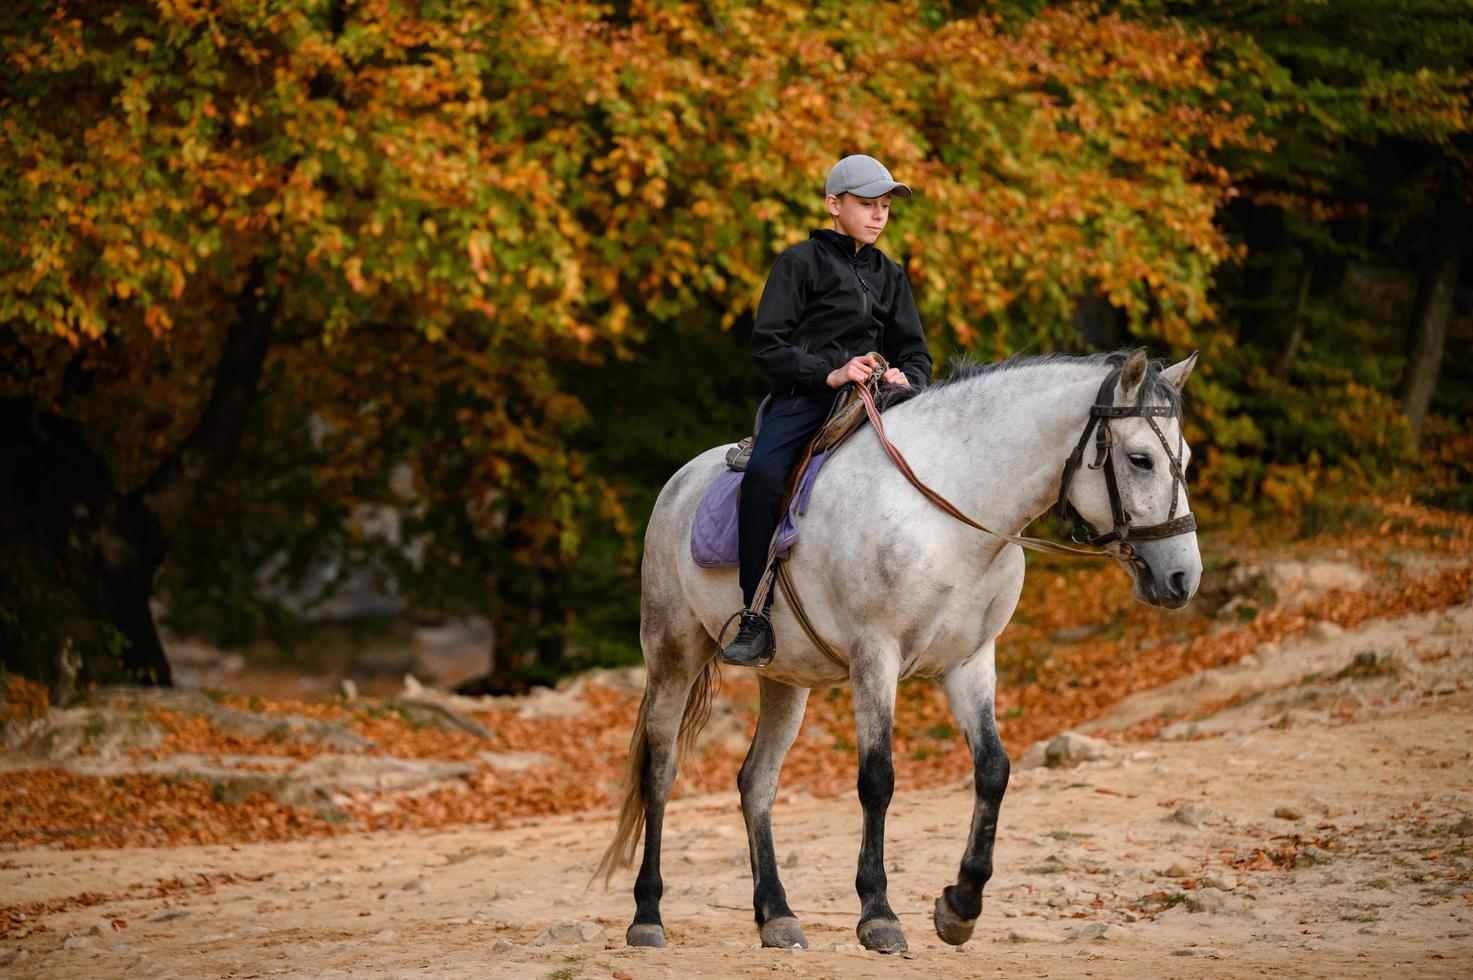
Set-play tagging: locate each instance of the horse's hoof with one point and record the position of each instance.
(783, 932)
(646, 934)
(953, 930)
(882, 936)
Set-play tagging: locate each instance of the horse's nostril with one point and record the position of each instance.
(1178, 582)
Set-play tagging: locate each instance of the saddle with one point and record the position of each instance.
(846, 416)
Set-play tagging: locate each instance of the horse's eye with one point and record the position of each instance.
(1142, 461)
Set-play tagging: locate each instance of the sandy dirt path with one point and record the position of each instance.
(1163, 858)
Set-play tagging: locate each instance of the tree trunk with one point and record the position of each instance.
(1434, 305)
(1271, 253)
(80, 562)
(81, 556)
(528, 645)
(1296, 321)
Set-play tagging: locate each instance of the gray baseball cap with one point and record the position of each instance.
(863, 176)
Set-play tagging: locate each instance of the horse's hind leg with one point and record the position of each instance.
(666, 711)
(777, 725)
(970, 687)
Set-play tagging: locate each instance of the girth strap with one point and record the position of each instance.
(790, 592)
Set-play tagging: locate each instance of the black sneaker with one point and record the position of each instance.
(753, 646)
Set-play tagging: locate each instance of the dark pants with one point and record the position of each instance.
(790, 424)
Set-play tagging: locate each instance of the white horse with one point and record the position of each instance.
(900, 589)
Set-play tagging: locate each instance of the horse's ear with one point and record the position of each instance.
(1178, 373)
(1131, 376)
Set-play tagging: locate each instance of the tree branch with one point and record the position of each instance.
(208, 450)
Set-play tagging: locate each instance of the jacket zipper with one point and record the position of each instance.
(864, 289)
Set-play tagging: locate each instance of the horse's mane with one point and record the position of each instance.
(964, 369)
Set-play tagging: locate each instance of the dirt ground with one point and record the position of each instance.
(1308, 812)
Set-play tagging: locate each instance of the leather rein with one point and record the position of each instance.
(1114, 542)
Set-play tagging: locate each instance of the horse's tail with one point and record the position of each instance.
(620, 853)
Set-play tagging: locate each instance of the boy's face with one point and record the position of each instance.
(861, 218)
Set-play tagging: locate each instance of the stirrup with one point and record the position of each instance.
(763, 661)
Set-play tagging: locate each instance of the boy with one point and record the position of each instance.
(827, 301)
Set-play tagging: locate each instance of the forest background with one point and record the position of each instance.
(442, 293)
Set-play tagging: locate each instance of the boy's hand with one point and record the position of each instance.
(895, 376)
(857, 370)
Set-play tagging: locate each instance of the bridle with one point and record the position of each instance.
(1100, 414)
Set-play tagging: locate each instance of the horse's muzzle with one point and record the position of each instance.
(1171, 591)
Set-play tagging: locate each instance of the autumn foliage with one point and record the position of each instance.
(370, 285)
(533, 174)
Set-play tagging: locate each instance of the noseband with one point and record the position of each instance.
(1100, 414)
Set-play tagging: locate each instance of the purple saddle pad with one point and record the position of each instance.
(713, 536)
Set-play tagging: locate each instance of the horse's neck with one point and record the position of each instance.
(995, 444)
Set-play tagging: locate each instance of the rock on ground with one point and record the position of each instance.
(574, 932)
(1067, 749)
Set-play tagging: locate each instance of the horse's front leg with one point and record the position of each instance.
(873, 672)
(970, 687)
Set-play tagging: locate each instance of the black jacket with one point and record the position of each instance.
(825, 303)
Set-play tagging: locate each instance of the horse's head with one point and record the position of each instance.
(1138, 447)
